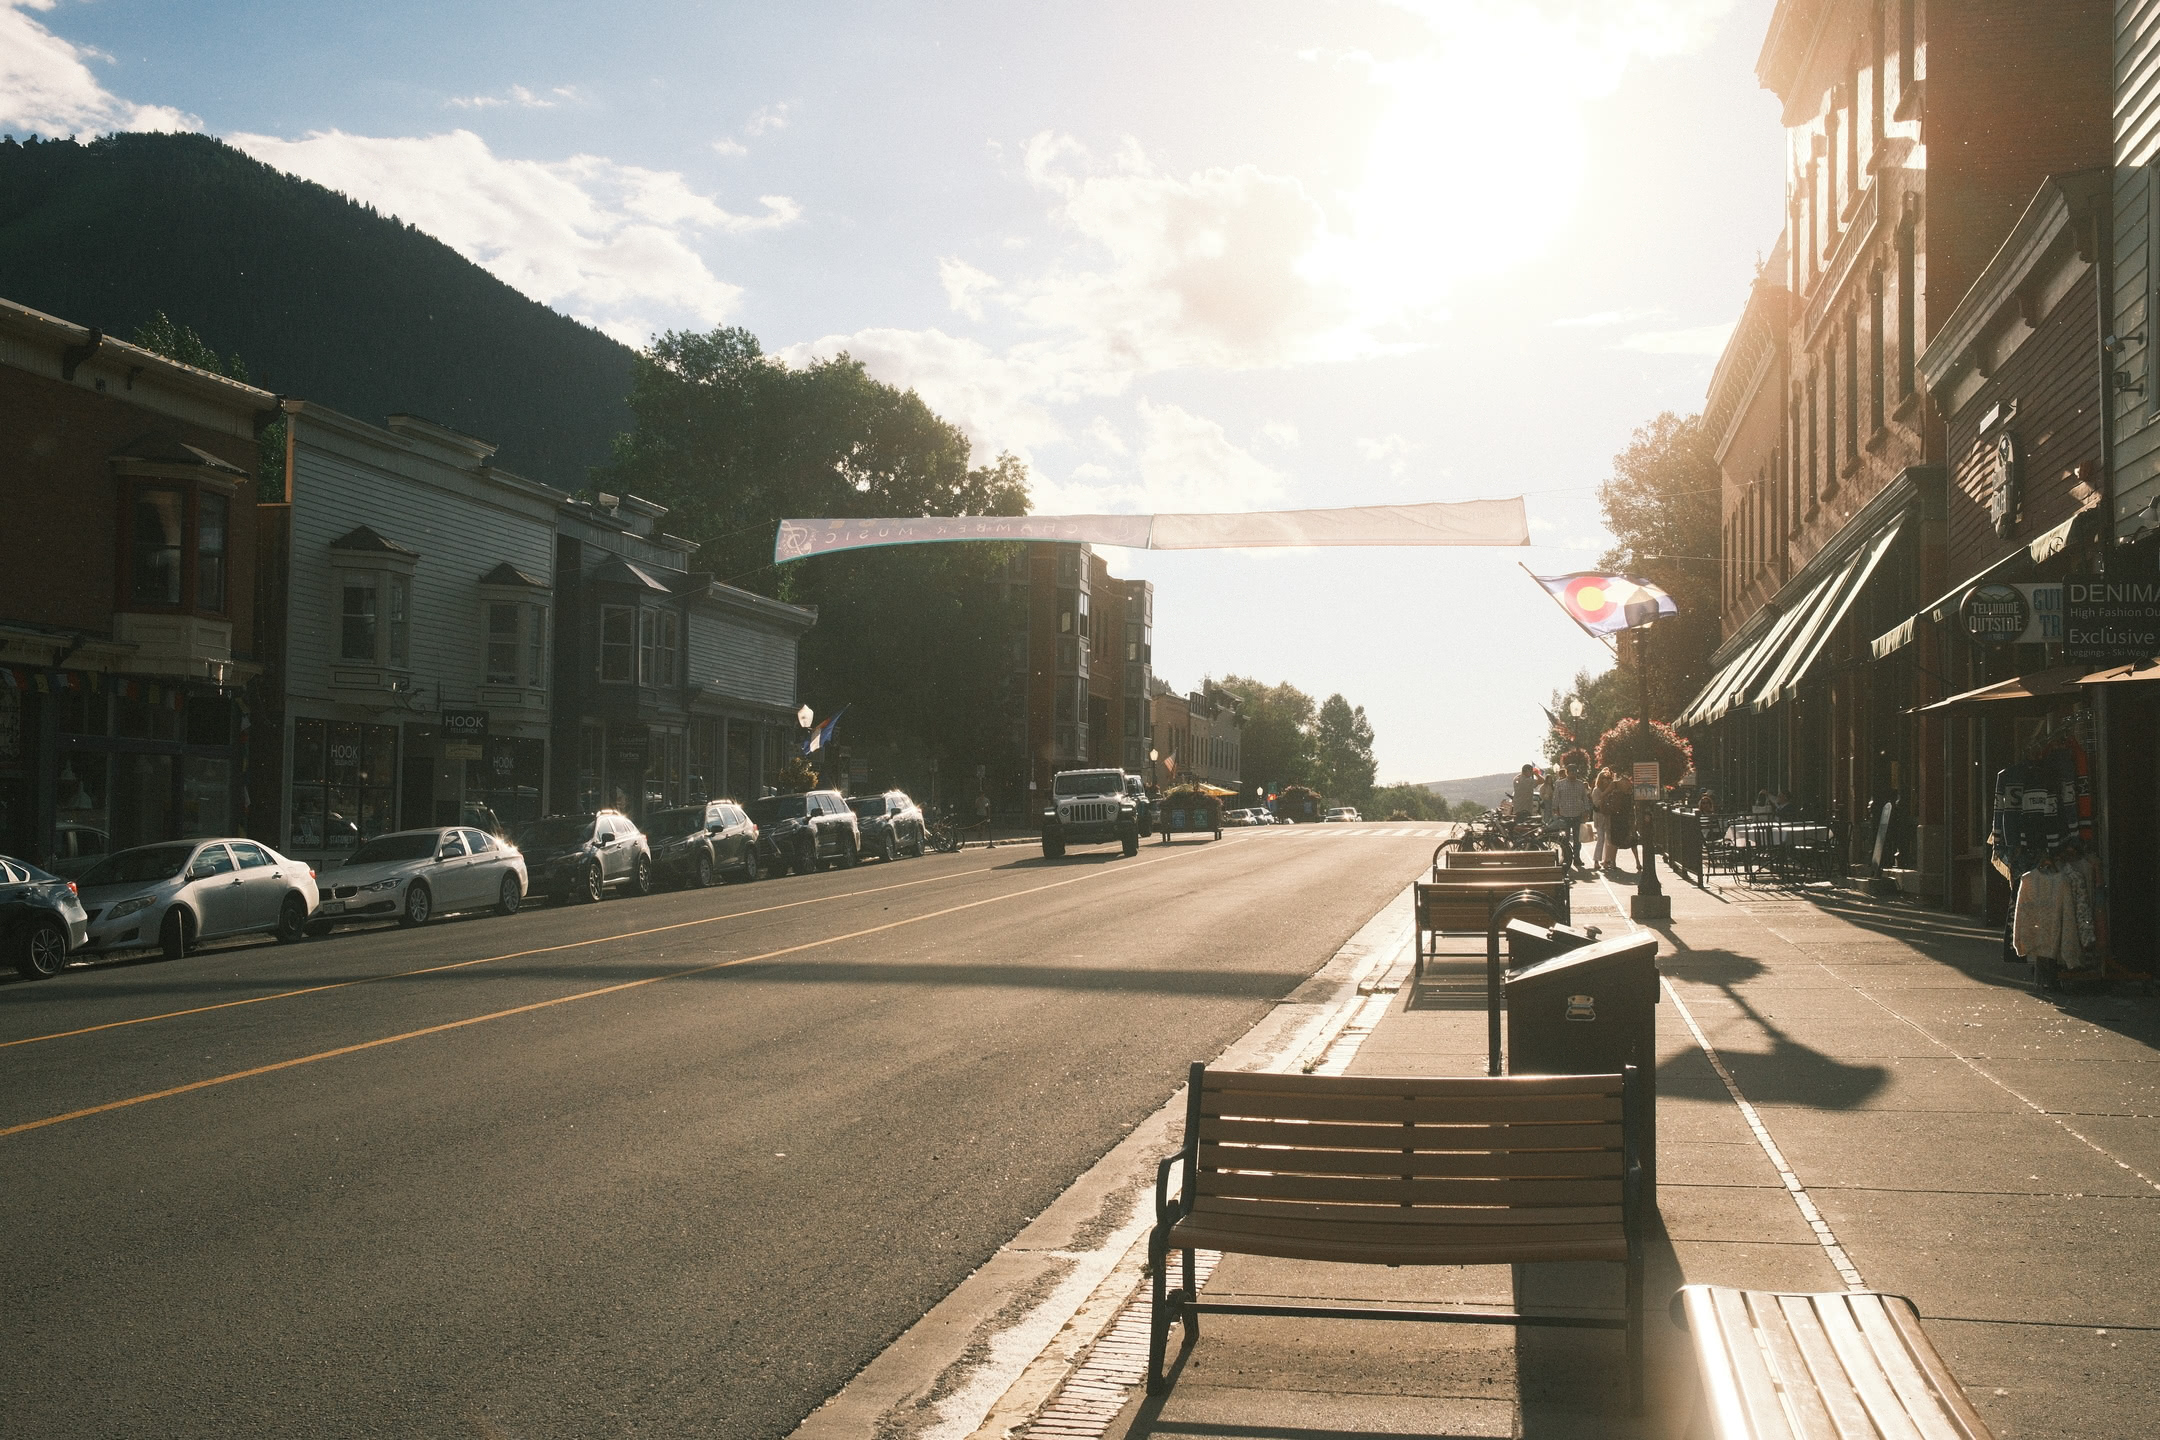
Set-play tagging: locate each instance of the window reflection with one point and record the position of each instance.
(159, 515)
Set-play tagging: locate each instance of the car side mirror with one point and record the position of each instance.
(446, 853)
(604, 841)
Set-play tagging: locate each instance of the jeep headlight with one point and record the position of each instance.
(129, 907)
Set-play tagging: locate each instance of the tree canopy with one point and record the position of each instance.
(913, 639)
(1343, 752)
(1277, 746)
(1661, 505)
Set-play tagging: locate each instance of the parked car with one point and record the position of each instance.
(1232, 819)
(891, 825)
(582, 857)
(175, 895)
(1339, 814)
(807, 831)
(415, 875)
(76, 848)
(693, 843)
(42, 920)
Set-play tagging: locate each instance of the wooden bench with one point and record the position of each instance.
(1400, 1171)
(1461, 906)
(1836, 1366)
(1447, 858)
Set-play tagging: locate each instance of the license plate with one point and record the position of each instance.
(331, 907)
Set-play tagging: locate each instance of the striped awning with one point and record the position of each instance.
(2044, 548)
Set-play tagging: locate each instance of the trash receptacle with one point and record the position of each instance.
(1589, 1011)
(1529, 944)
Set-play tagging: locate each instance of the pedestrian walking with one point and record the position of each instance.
(1601, 807)
(1621, 806)
(1570, 803)
(1526, 796)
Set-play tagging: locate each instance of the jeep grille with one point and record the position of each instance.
(1089, 812)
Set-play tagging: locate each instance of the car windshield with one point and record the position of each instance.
(778, 807)
(139, 867)
(390, 849)
(676, 822)
(1105, 782)
(562, 830)
(868, 809)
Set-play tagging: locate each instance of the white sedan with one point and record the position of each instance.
(414, 875)
(173, 895)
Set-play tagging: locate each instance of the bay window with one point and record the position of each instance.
(618, 646)
(158, 530)
(658, 636)
(357, 615)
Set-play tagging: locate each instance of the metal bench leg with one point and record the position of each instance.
(1635, 1335)
(1190, 1316)
(1158, 1314)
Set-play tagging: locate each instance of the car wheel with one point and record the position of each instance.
(750, 865)
(848, 855)
(890, 850)
(1129, 842)
(419, 905)
(806, 857)
(641, 877)
(510, 896)
(704, 870)
(291, 919)
(1053, 849)
(43, 953)
(177, 933)
(590, 885)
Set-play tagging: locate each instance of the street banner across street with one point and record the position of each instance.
(1460, 522)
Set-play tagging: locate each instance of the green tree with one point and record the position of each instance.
(910, 638)
(1661, 505)
(1277, 748)
(161, 335)
(1415, 801)
(1343, 752)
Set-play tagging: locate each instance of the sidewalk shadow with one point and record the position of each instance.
(1788, 1073)
(1571, 1384)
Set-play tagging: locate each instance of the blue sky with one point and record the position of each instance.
(1178, 256)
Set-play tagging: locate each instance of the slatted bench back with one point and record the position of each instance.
(1408, 1171)
(1465, 906)
(1500, 859)
(1836, 1366)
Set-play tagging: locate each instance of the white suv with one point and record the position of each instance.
(1089, 807)
(1340, 813)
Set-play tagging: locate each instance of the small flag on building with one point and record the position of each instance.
(1607, 604)
(822, 736)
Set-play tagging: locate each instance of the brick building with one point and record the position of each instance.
(127, 600)
(1086, 658)
(1916, 136)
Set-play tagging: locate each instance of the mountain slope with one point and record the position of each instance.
(1484, 789)
(325, 299)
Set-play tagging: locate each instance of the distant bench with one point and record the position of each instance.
(1458, 905)
(1447, 856)
(1380, 1170)
(1781, 1366)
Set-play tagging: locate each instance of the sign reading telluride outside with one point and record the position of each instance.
(2109, 620)
(1995, 614)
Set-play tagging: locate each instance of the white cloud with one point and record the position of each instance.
(611, 244)
(1282, 433)
(729, 148)
(769, 118)
(46, 87)
(1392, 451)
(965, 286)
(994, 398)
(1104, 434)
(519, 95)
(1695, 340)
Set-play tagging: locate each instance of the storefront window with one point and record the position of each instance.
(205, 797)
(664, 770)
(210, 554)
(704, 778)
(158, 524)
(741, 739)
(142, 798)
(502, 788)
(81, 800)
(209, 720)
(343, 776)
(592, 748)
(140, 716)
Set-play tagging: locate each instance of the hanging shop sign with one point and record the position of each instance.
(1995, 613)
(2008, 473)
(2109, 620)
(465, 725)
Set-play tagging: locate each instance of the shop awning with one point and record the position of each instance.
(1771, 668)
(2117, 674)
(2042, 687)
(2044, 548)
(1838, 592)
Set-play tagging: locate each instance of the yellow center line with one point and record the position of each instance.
(447, 1025)
(483, 960)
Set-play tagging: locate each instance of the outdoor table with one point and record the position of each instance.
(1765, 833)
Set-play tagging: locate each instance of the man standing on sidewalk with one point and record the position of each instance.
(1570, 802)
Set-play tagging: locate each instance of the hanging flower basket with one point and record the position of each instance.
(1625, 746)
(1576, 762)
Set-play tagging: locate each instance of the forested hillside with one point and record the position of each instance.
(326, 299)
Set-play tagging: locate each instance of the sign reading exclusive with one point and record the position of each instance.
(2110, 619)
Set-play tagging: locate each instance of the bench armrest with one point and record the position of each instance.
(1165, 1211)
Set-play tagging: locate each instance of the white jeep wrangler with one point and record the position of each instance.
(1088, 807)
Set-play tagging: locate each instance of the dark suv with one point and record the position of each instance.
(891, 824)
(693, 843)
(582, 857)
(806, 832)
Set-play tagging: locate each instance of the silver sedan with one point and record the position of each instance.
(411, 876)
(172, 896)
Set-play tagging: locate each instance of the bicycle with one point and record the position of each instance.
(942, 836)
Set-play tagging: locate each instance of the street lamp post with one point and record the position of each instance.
(1650, 902)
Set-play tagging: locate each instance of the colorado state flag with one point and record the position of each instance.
(1604, 604)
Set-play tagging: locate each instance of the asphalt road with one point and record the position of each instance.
(671, 1166)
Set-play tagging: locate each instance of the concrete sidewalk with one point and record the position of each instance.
(1990, 1152)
